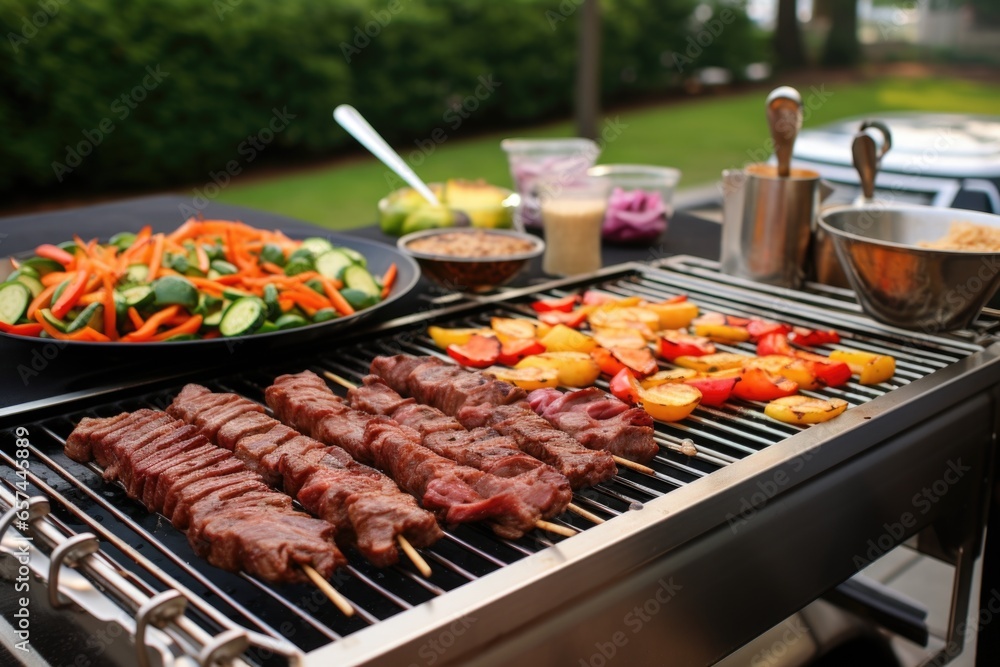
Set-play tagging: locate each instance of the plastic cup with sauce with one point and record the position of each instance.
(533, 159)
(572, 210)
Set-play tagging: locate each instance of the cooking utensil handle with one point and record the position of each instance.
(784, 118)
(359, 128)
(867, 156)
(886, 136)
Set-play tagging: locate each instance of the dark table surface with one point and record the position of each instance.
(29, 378)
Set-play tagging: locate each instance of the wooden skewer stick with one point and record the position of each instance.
(338, 600)
(576, 509)
(411, 553)
(638, 467)
(555, 528)
(333, 377)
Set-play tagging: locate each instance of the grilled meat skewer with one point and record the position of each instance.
(476, 400)
(483, 448)
(367, 507)
(231, 517)
(305, 402)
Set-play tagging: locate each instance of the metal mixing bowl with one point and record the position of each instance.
(900, 283)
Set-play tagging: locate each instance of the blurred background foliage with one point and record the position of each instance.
(228, 63)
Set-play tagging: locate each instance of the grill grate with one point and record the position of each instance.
(158, 556)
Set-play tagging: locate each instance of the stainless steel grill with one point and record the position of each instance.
(684, 520)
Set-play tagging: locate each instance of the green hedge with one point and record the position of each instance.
(111, 94)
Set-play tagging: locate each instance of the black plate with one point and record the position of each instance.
(379, 256)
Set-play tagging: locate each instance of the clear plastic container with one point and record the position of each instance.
(531, 159)
(572, 213)
(640, 203)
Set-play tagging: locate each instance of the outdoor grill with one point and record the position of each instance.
(691, 562)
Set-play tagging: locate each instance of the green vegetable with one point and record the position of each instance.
(123, 240)
(59, 290)
(170, 290)
(316, 285)
(290, 321)
(244, 316)
(135, 274)
(267, 327)
(272, 253)
(297, 266)
(357, 277)
(180, 337)
(303, 254)
(355, 256)
(52, 319)
(232, 293)
(137, 296)
(31, 282)
(271, 301)
(357, 298)
(14, 300)
(325, 314)
(316, 245)
(92, 315)
(41, 265)
(332, 264)
(223, 268)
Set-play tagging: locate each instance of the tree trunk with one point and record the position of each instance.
(788, 49)
(842, 48)
(588, 84)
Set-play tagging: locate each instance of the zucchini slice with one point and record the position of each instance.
(174, 290)
(244, 316)
(333, 263)
(32, 283)
(14, 300)
(137, 296)
(316, 245)
(92, 315)
(357, 277)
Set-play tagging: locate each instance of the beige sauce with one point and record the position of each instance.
(572, 236)
(471, 244)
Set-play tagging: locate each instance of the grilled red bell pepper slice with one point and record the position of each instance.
(29, 329)
(565, 304)
(55, 253)
(830, 372)
(516, 349)
(640, 361)
(760, 328)
(774, 343)
(572, 319)
(714, 390)
(678, 298)
(813, 337)
(756, 384)
(625, 387)
(479, 352)
(675, 344)
(70, 295)
(606, 361)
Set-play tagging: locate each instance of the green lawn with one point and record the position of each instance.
(701, 137)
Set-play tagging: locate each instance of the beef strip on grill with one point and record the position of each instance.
(366, 506)
(232, 519)
(598, 420)
(476, 400)
(462, 494)
(536, 483)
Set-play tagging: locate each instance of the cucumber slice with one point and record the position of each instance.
(271, 301)
(92, 315)
(357, 277)
(233, 294)
(32, 283)
(272, 253)
(244, 316)
(213, 318)
(171, 290)
(43, 265)
(223, 268)
(290, 321)
(135, 274)
(357, 298)
(52, 319)
(14, 300)
(333, 263)
(23, 271)
(355, 256)
(325, 314)
(316, 245)
(137, 296)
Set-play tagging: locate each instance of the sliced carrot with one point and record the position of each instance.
(337, 299)
(157, 257)
(206, 284)
(96, 296)
(91, 334)
(149, 327)
(31, 329)
(307, 295)
(203, 263)
(388, 279)
(43, 299)
(110, 312)
(56, 277)
(272, 268)
(189, 326)
(135, 317)
(70, 295)
(86, 333)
